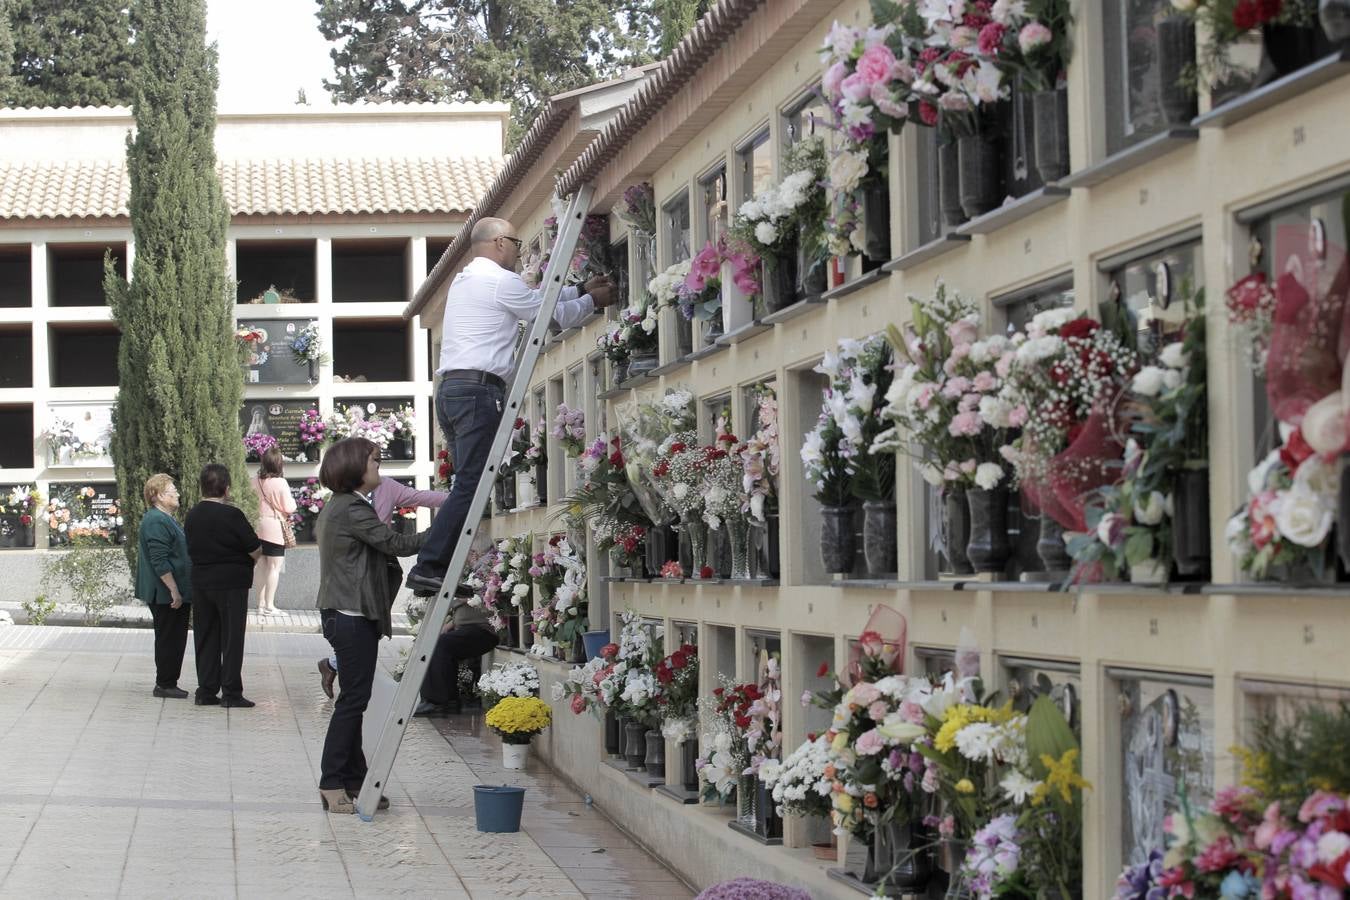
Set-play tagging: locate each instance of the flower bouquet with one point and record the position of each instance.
(62, 441)
(359, 421)
(744, 736)
(639, 208)
(311, 428)
(22, 505)
(513, 679)
(677, 676)
(444, 469)
(256, 444)
(679, 475)
(724, 503)
(699, 296)
(1226, 23)
(560, 618)
(781, 225)
(622, 541)
(307, 346)
(593, 686)
(569, 427)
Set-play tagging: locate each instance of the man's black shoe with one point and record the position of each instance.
(426, 586)
(237, 703)
(437, 710)
(175, 693)
(206, 701)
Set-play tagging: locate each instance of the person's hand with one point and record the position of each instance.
(447, 627)
(601, 289)
(176, 600)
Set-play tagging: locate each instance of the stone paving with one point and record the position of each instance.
(108, 792)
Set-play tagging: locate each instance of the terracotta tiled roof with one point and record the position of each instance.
(99, 189)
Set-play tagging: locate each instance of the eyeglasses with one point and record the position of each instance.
(517, 241)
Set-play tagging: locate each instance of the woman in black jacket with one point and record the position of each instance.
(359, 576)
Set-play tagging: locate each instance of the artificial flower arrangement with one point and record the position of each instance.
(604, 499)
(679, 474)
(1284, 831)
(802, 784)
(537, 454)
(307, 345)
(258, 443)
(71, 518)
(23, 503)
(1130, 523)
(403, 422)
(745, 723)
(639, 207)
(636, 657)
(647, 433)
(362, 422)
(1225, 23)
(699, 296)
(310, 498)
(725, 504)
(771, 223)
(248, 339)
(633, 335)
(836, 453)
(1062, 380)
(311, 427)
(664, 287)
(1250, 303)
(517, 719)
(672, 570)
(677, 679)
(761, 458)
(444, 469)
(622, 541)
(517, 448)
(505, 586)
(569, 427)
(592, 252)
(943, 406)
(60, 435)
(560, 618)
(513, 679)
(592, 686)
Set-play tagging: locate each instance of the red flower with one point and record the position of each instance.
(871, 643)
(442, 454)
(743, 721)
(662, 469)
(520, 423)
(717, 692)
(678, 660)
(677, 447)
(443, 471)
(616, 459)
(728, 439)
(1295, 451)
(928, 113)
(751, 691)
(705, 572)
(1082, 327)
(823, 670)
(609, 651)
(663, 673)
(991, 39)
(578, 704)
(1332, 873)
(25, 520)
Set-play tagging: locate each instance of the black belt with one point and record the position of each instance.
(473, 375)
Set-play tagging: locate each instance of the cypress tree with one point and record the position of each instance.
(180, 383)
(68, 54)
(7, 80)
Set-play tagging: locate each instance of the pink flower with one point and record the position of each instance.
(878, 710)
(865, 693)
(578, 704)
(925, 396)
(1018, 417)
(985, 382)
(965, 424)
(968, 466)
(969, 402)
(875, 64)
(1033, 37)
(963, 331)
(855, 88)
(705, 266)
(947, 827)
(912, 712)
(991, 39)
(955, 387)
(928, 113)
(1004, 364)
(870, 743)
(1218, 856)
(886, 101)
(834, 76)
(1319, 805)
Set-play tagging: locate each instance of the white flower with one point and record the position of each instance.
(1039, 348)
(1320, 478)
(1050, 319)
(847, 170)
(1302, 516)
(521, 590)
(1256, 478)
(1185, 6)
(1331, 846)
(931, 474)
(1017, 787)
(1151, 513)
(680, 490)
(1005, 12)
(995, 411)
(1171, 379)
(766, 234)
(1148, 381)
(1173, 356)
(988, 475)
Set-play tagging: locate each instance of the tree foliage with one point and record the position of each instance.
(67, 54)
(521, 51)
(7, 79)
(178, 370)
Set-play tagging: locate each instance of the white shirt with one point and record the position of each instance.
(482, 308)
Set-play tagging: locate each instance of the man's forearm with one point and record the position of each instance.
(170, 583)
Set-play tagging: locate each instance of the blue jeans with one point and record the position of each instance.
(468, 413)
(356, 641)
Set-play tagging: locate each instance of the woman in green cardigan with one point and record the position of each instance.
(163, 581)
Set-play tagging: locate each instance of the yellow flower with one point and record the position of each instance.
(962, 714)
(840, 741)
(1063, 776)
(964, 786)
(519, 715)
(843, 802)
(1255, 769)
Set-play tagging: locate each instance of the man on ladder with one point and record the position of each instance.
(476, 407)
(486, 300)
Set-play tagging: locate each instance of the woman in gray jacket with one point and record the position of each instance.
(359, 576)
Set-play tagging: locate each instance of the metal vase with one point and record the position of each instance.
(688, 769)
(879, 537)
(989, 548)
(956, 530)
(642, 363)
(949, 184)
(1176, 69)
(1286, 49)
(895, 855)
(1050, 123)
(611, 733)
(838, 546)
(768, 824)
(876, 216)
(978, 156)
(635, 744)
(1190, 523)
(780, 279)
(541, 483)
(655, 759)
(1050, 547)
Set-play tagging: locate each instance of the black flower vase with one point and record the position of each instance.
(1176, 67)
(655, 759)
(541, 483)
(781, 279)
(769, 566)
(838, 546)
(1050, 547)
(895, 854)
(879, 537)
(635, 744)
(311, 452)
(688, 764)
(1335, 18)
(768, 825)
(684, 334)
(1050, 115)
(1287, 48)
(1190, 523)
(979, 162)
(956, 530)
(876, 202)
(611, 733)
(949, 184)
(989, 548)
(26, 532)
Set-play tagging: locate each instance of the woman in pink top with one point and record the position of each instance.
(274, 502)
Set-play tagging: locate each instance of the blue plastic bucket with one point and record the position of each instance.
(594, 640)
(497, 807)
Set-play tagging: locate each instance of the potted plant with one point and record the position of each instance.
(517, 720)
(513, 679)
